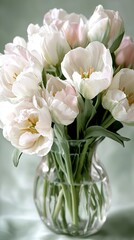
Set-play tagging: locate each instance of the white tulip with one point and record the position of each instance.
(62, 100)
(17, 41)
(119, 99)
(47, 44)
(19, 70)
(26, 85)
(89, 69)
(29, 128)
(105, 26)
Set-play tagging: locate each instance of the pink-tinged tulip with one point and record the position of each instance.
(73, 26)
(75, 33)
(62, 100)
(55, 17)
(125, 53)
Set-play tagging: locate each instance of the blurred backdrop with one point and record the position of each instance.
(15, 15)
(16, 183)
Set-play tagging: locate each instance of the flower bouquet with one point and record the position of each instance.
(62, 92)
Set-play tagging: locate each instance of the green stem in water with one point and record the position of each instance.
(44, 196)
(63, 215)
(67, 197)
(74, 205)
(58, 205)
(74, 208)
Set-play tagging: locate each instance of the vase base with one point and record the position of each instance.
(73, 231)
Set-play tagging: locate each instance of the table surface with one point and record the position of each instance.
(19, 219)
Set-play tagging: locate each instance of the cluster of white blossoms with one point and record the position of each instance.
(67, 58)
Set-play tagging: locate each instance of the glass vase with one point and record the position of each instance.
(71, 190)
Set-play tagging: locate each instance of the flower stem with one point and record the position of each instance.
(63, 216)
(58, 205)
(82, 159)
(44, 195)
(74, 208)
(108, 121)
(74, 205)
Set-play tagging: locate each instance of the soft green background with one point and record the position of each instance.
(18, 217)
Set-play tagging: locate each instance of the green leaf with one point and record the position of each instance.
(98, 100)
(63, 148)
(44, 79)
(59, 131)
(16, 156)
(98, 131)
(89, 110)
(57, 158)
(116, 43)
(86, 114)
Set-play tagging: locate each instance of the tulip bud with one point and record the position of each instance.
(73, 26)
(125, 53)
(107, 27)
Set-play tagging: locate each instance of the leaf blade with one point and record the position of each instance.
(98, 131)
(16, 155)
